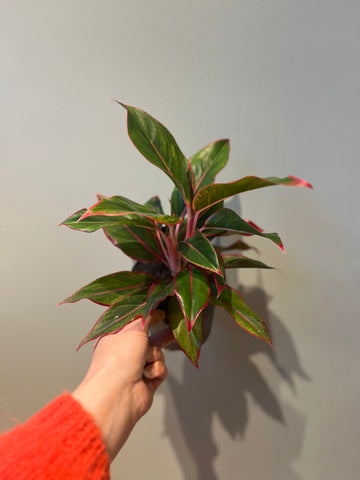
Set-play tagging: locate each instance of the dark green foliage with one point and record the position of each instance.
(180, 241)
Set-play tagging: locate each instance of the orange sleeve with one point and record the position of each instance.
(60, 442)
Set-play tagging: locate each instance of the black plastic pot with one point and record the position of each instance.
(161, 272)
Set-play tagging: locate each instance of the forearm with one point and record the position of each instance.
(110, 405)
(61, 441)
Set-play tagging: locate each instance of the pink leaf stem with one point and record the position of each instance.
(160, 236)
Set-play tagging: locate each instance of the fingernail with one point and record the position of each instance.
(148, 372)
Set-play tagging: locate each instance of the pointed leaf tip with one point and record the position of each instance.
(199, 251)
(212, 194)
(193, 292)
(231, 301)
(189, 342)
(120, 103)
(299, 182)
(154, 141)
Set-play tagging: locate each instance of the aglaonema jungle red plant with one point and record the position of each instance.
(180, 241)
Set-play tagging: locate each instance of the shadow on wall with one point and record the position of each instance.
(227, 376)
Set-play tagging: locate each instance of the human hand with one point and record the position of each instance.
(126, 370)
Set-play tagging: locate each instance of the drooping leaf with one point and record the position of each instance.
(155, 205)
(137, 242)
(95, 222)
(228, 222)
(158, 293)
(207, 163)
(117, 316)
(193, 292)
(119, 206)
(240, 261)
(189, 342)
(238, 245)
(220, 279)
(177, 203)
(205, 214)
(157, 144)
(199, 251)
(212, 194)
(110, 288)
(230, 300)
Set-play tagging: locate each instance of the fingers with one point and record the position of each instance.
(155, 317)
(156, 371)
(154, 354)
(162, 338)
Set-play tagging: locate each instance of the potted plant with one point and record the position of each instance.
(177, 262)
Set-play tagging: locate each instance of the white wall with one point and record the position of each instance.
(280, 78)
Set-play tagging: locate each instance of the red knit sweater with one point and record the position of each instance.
(60, 442)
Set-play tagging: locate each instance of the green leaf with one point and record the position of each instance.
(228, 222)
(110, 288)
(177, 203)
(193, 292)
(207, 163)
(220, 279)
(205, 214)
(199, 251)
(119, 205)
(137, 242)
(230, 300)
(157, 144)
(157, 294)
(240, 261)
(155, 205)
(117, 316)
(211, 194)
(189, 342)
(95, 222)
(238, 245)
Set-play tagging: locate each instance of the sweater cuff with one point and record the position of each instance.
(61, 441)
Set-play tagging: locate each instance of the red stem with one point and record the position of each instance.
(192, 222)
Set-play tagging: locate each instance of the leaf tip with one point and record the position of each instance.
(81, 344)
(120, 103)
(299, 182)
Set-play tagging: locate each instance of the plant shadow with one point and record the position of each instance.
(223, 390)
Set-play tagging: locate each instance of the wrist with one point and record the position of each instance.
(110, 406)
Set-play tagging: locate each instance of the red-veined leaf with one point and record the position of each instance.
(155, 205)
(177, 203)
(228, 222)
(158, 293)
(156, 143)
(110, 288)
(220, 279)
(137, 242)
(95, 222)
(117, 316)
(212, 194)
(118, 206)
(207, 163)
(189, 342)
(205, 214)
(199, 251)
(240, 261)
(238, 245)
(230, 300)
(193, 292)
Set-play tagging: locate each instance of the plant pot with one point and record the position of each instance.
(161, 272)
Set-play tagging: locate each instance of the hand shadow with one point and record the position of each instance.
(228, 375)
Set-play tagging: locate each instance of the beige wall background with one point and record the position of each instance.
(280, 79)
